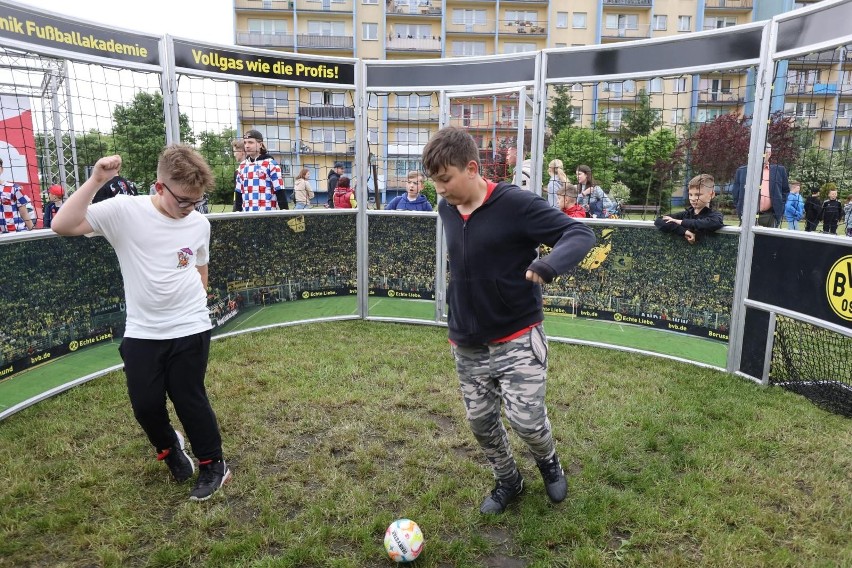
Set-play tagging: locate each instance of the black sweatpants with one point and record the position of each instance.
(156, 368)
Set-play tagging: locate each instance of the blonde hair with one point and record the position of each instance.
(704, 182)
(567, 190)
(556, 167)
(183, 164)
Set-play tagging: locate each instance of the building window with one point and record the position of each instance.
(518, 47)
(577, 87)
(327, 98)
(413, 31)
(468, 113)
(469, 18)
(369, 1)
(558, 44)
(679, 85)
(521, 16)
(716, 23)
(622, 22)
(684, 23)
(575, 112)
(371, 31)
(677, 116)
(267, 27)
(326, 28)
(660, 23)
(579, 20)
(655, 85)
(270, 100)
(413, 102)
(412, 136)
(461, 48)
(561, 19)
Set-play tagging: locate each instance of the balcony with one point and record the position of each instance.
(311, 41)
(624, 34)
(413, 114)
(476, 29)
(538, 28)
(413, 44)
(263, 5)
(739, 5)
(719, 97)
(628, 3)
(256, 39)
(326, 111)
(824, 89)
(343, 7)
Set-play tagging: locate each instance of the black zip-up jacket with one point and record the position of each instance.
(707, 221)
(489, 296)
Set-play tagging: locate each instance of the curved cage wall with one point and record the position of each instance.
(646, 115)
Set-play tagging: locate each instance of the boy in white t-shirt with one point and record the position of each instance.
(163, 247)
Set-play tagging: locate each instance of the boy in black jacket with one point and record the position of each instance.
(699, 218)
(813, 208)
(832, 212)
(493, 232)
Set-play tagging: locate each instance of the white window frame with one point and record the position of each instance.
(561, 20)
(660, 22)
(580, 20)
(366, 28)
(684, 23)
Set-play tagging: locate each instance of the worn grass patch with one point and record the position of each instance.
(334, 430)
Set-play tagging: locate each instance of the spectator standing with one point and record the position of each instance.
(566, 197)
(773, 190)
(558, 179)
(813, 208)
(794, 210)
(167, 336)
(115, 186)
(260, 183)
(344, 195)
(238, 147)
(333, 178)
(302, 192)
(832, 212)
(526, 167)
(589, 194)
(413, 199)
(699, 218)
(493, 233)
(13, 207)
(55, 197)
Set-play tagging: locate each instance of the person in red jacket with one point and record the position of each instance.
(566, 199)
(344, 195)
(493, 233)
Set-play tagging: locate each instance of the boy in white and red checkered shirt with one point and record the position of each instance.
(260, 184)
(13, 207)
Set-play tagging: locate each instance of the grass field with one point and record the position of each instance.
(40, 379)
(333, 430)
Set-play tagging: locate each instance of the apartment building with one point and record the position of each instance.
(316, 127)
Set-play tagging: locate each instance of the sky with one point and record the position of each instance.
(203, 20)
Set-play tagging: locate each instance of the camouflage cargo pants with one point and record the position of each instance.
(514, 374)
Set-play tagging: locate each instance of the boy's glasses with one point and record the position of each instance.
(183, 203)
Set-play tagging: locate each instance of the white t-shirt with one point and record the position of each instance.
(158, 256)
(526, 168)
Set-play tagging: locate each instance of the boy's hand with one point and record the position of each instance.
(106, 168)
(669, 219)
(534, 277)
(690, 237)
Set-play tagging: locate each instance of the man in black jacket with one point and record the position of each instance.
(333, 178)
(493, 232)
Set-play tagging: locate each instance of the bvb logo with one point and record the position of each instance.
(838, 287)
(391, 293)
(616, 317)
(306, 294)
(73, 346)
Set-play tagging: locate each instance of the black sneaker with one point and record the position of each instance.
(211, 476)
(554, 479)
(179, 462)
(502, 494)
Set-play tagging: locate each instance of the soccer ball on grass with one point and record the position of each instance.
(403, 540)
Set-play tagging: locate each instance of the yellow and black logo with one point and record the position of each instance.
(73, 346)
(838, 287)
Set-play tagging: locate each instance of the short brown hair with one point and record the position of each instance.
(238, 144)
(704, 182)
(184, 165)
(567, 190)
(415, 174)
(451, 146)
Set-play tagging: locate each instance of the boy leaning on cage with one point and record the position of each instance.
(699, 218)
(163, 247)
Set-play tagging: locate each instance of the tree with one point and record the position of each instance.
(589, 146)
(139, 134)
(649, 164)
(718, 147)
(560, 116)
(643, 119)
(811, 169)
(216, 149)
